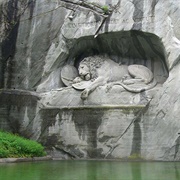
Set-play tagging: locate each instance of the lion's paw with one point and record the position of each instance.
(85, 94)
(77, 80)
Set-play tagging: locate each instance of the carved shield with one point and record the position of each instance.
(68, 74)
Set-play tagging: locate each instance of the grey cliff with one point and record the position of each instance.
(43, 44)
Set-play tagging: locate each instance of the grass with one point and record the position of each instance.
(15, 146)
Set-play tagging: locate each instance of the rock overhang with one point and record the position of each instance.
(125, 47)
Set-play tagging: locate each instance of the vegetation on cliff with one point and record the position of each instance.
(15, 146)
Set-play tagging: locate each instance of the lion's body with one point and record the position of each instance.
(108, 71)
(112, 72)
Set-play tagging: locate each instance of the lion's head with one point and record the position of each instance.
(88, 67)
(84, 71)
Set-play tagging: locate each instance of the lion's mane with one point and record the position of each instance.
(93, 63)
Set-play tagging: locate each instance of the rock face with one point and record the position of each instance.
(38, 38)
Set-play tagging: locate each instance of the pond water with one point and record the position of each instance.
(90, 170)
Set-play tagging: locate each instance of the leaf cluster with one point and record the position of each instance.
(105, 9)
(15, 146)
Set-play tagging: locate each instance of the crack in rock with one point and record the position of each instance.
(115, 141)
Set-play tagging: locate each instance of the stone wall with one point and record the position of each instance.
(39, 37)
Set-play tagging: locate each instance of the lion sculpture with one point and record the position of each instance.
(96, 71)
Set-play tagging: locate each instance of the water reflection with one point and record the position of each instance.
(91, 170)
(136, 171)
(177, 171)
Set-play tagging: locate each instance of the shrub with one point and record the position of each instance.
(16, 146)
(105, 9)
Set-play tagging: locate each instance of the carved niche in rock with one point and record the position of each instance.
(97, 71)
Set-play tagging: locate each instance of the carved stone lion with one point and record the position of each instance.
(97, 71)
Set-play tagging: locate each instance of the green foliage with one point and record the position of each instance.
(16, 146)
(135, 156)
(105, 9)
